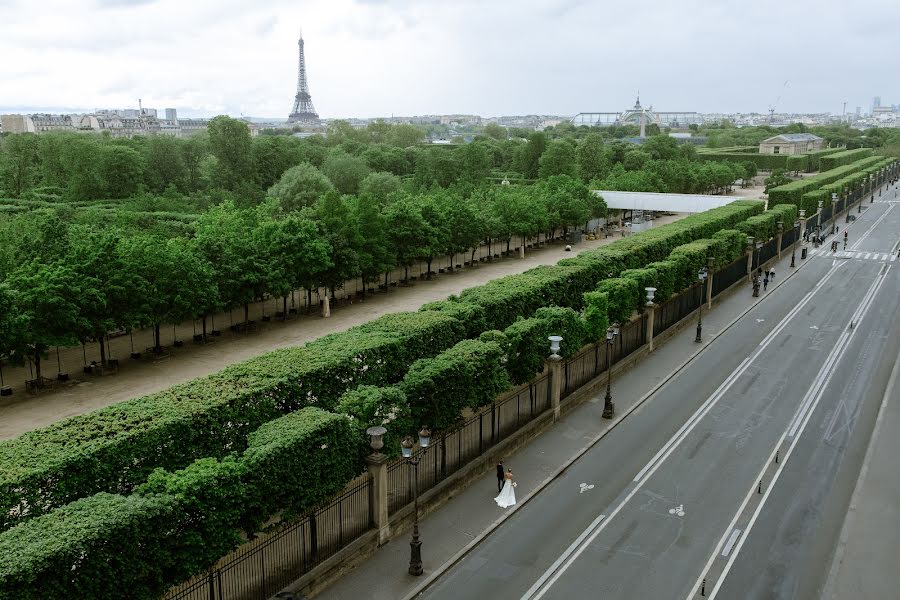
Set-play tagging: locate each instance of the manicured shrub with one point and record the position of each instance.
(468, 375)
(596, 315)
(734, 244)
(644, 278)
(368, 406)
(666, 274)
(470, 315)
(621, 293)
(104, 547)
(791, 193)
(527, 339)
(296, 462)
(796, 162)
(839, 159)
(566, 323)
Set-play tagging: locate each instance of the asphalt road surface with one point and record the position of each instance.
(735, 477)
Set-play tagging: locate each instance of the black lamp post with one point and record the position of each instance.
(609, 408)
(798, 225)
(415, 546)
(701, 277)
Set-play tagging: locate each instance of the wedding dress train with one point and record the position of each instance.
(507, 496)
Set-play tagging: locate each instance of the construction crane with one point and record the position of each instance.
(774, 105)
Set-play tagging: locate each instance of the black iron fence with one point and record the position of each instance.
(671, 311)
(266, 565)
(730, 275)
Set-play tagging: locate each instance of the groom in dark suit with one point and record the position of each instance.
(501, 474)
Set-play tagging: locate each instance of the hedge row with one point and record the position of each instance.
(810, 200)
(107, 546)
(115, 448)
(791, 193)
(728, 149)
(764, 162)
(765, 226)
(814, 157)
(845, 157)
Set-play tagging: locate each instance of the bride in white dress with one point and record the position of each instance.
(507, 496)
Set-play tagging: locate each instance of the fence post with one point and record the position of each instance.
(710, 263)
(378, 501)
(554, 366)
(651, 318)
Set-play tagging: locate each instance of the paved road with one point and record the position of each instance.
(673, 483)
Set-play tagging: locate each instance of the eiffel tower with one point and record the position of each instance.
(303, 111)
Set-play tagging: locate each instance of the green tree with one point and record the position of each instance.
(404, 136)
(193, 151)
(591, 158)
(164, 160)
(557, 159)
(346, 172)
(660, 147)
(379, 186)
(272, 156)
(20, 163)
(372, 246)
(407, 231)
(47, 300)
(495, 131)
(776, 179)
(530, 154)
(121, 171)
(229, 142)
(568, 201)
(300, 186)
(521, 209)
(335, 216)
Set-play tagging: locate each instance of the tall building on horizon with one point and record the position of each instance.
(303, 110)
(876, 103)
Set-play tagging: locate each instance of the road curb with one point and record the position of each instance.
(449, 563)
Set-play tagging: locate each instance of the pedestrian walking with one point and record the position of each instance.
(501, 474)
(772, 274)
(765, 282)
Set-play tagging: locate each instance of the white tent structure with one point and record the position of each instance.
(678, 203)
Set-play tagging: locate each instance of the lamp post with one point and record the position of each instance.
(701, 277)
(799, 225)
(415, 546)
(834, 200)
(609, 408)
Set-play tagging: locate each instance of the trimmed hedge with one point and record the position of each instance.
(791, 193)
(620, 298)
(797, 162)
(102, 547)
(644, 278)
(109, 547)
(370, 406)
(764, 162)
(839, 159)
(115, 448)
(596, 315)
(815, 157)
(468, 375)
(734, 243)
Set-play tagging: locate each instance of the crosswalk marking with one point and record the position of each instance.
(847, 254)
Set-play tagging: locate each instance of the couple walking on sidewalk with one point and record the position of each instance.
(505, 485)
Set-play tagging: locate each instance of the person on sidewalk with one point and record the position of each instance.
(501, 476)
(507, 496)
(765, 282)
(772, 274)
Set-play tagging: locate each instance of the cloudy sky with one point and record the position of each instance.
(371, 58)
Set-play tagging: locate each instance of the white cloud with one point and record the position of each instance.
(378, 57)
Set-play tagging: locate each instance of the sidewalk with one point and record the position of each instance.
(23, 412)
(446, 532)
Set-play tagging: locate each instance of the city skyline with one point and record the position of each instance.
(406, 58)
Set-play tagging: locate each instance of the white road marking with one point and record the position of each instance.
(562, 564)
(760, 320)
(872, 227)
(678, 510)
(582, 488)
(868, 254)
(731, 540)
(863, 308)
(813, 326)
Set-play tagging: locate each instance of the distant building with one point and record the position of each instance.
(16, 124)
(876, 103)
(791, 143)
(171, 114)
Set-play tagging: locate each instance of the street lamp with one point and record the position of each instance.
(834, 199)
(609, 408)
(701, 277)
(797, 227)
(415, 546)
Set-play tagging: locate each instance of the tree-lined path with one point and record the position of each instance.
(24, 412)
